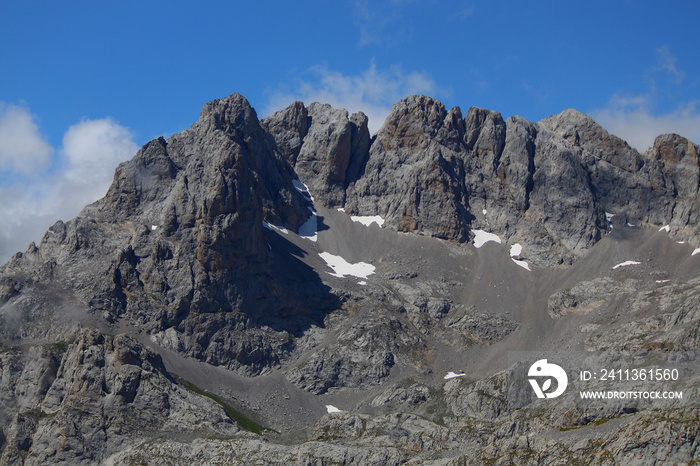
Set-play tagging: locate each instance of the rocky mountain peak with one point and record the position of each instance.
(289, 127)
(326, 147)
(672, 148)
(417, 120)
(179, 236)
(485, 133)
(680, 159)
(232, 112)
(139, 328)
(414, 174)
(581, 130)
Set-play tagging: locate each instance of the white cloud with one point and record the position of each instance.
(372, 91)
(22, 148)
(93, 148)
(633, 119)
(666, 62)
(91, 151)
(638, 118)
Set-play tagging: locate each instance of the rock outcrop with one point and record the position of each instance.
(326, 148)
(414, 176)
(76, 402)
(641, 187)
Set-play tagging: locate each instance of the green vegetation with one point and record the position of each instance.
(37, 414)
(597, 422)
(61, 346)
(566, 429)
(245, 422)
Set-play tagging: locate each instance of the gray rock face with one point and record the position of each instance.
(641, 187)
(77, 402)
(362, 356)
(580, 130)
(679, 161)
(289, 127)
(431, 172)
(325, 147)
(482, 328)
(414, 176)
(587, 296)
(673, 324)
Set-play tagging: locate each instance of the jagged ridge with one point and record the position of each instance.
(545, 185)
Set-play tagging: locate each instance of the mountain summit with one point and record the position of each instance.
(294, 289)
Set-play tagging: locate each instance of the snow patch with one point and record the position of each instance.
(341, 267)
(630, 225)
(484, 212)
(270, 226)
(665, 227)
(696, 251)
(516, 250)
(680, 242)
(367, 220)
(154, 227)
(309, 229)
(333, 409)
(626, 263)
(303, 189)
(522, 264)
(452, 375)
(608, 218)
(662, 281)
(482, 237)
(363, 283)
(340, 209)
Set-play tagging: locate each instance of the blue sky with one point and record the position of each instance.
(85, 83)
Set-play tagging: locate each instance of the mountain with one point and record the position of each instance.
(293, 289)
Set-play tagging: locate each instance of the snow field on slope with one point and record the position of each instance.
(522, 264)
(309, 229)
(482, 237)
(303, 189)
(367, 220)
(516, 250)
(626, 263)
(270, 226)
(341, 267)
